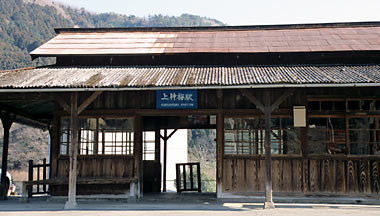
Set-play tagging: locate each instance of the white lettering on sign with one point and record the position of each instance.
(165, 97)
(177, 97)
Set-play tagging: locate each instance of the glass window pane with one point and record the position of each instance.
(247, 136)
(117, 135)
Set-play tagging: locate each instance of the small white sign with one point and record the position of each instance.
(299, 116)
(212, 119)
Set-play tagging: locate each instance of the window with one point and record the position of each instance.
(116, 136)
(149, 145)
(108, 136)
(246, 136)
(364, 136)
(242, 136)
(87, 137)
(342, 104)
(65, 136)
(327, 136)
(285, 139)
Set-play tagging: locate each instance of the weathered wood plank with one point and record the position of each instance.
(85, 180)
(340, 179)
(363, 177)
(352, 180)
(375, 177)
(287, 175)
(297, 183)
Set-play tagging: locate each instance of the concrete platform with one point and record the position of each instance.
(196, 198)
(116, 208)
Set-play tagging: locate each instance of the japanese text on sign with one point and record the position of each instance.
(176, 99)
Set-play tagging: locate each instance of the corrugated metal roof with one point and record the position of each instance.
(187, 76)
(220, 40)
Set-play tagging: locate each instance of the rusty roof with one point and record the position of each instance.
(153, 77)
(243, 39)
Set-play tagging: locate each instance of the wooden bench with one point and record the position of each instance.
(133, 191)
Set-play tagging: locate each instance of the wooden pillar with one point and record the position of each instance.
(219, 144)
(165, 158)
(71, 203)
(267, 113)
(138, 155)
(7, 119)
(267, 108)
(157, 144)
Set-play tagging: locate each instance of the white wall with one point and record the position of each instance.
(177, 153)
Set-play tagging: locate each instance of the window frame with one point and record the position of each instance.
(96, 150)
(260, 147)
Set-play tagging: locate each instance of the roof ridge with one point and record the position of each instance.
(17, 69)
(227, 28)
(200, 66)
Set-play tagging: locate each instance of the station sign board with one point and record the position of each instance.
(177, 99)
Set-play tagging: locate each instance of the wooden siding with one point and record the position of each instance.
(307, 176)
(97, 166)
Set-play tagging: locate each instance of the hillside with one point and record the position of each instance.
(26, 24)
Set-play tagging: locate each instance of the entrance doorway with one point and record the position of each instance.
(175, 140)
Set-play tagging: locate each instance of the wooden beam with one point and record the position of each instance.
(71, 202)
(252, 99)
(165, 158)
(138, 173)
(7, 119)
(219, 144)
(23, 113)
(268, 130)
(169, 136)
(282, 98)
(166, 137)
(88, 101)
(157, 145)
(25, 96)
(172, 133)
(62, 102)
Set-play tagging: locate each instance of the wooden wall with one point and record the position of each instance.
(295, 174)
(97, 166)
(309, 176)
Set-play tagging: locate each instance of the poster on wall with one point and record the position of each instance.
(177, 99)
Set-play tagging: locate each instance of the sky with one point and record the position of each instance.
(244, 12)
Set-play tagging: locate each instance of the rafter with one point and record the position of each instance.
(23, 114)
(282, 98)
(61, 101)
(88, 101)
(253, 99)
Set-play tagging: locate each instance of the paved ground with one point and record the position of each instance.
(116, 208)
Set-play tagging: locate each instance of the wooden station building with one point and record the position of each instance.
(296, 108)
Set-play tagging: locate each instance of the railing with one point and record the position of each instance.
(188, 182)
(41, 176)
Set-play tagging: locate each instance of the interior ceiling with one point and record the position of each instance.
(35, 113)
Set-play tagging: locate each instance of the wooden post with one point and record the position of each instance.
(199, 177)
(138, 157)
(44, 174)
(165, 158)
(71, 203)
(30, 178)
(178, 177)
(157, 144)
(219, 144)
(267, 108)
(268, 188)
(7, 120)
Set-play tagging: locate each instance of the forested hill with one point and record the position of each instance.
(26, 24)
